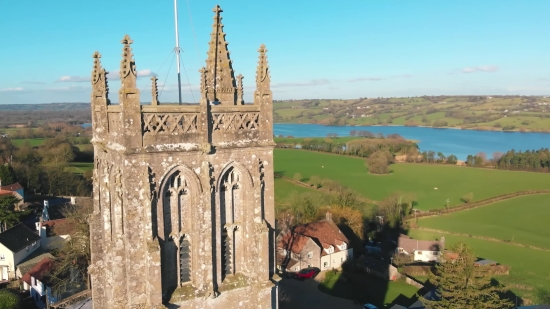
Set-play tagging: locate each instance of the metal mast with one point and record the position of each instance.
(177, 49)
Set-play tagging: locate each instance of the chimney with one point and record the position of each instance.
(328, 216)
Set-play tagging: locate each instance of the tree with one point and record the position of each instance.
(9, 299)
(75, 256)
(392, 209)
(379, 161)
(452, 159)
(7, 175)
(297, 177)
(8, 216)
(460, 284)
(467, 198)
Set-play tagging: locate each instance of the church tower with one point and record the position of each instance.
(184, 194)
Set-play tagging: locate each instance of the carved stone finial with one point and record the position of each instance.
(127, 64)
(262, 73)
(154, 91)
(204, 89)
(240, 99)
(100, 87)
(220, 78)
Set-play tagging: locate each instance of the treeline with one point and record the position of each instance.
(76, 133)
(530, 160)
(45, 169)
(365, 147)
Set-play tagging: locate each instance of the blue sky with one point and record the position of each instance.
(317, 49)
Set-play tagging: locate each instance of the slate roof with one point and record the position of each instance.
(18, 237)
(410, 245)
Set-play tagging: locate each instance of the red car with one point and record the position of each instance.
(307, 273)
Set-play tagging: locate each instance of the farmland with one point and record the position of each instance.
(517, 220)
(452, 182)
(506, 113)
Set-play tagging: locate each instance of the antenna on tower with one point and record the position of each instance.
(177, 49)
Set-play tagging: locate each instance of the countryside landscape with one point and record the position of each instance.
(299, 154)
(499, 211)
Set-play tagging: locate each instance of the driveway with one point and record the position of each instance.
(305, 294)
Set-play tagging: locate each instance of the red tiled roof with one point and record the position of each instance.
(13, 187)
(293, 242)
(325, 232)
(410, 245)
(59, 227)
(39, 271)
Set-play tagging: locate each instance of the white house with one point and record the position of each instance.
(318, 244)
(37, 281)
(16, 244)
(420, 250)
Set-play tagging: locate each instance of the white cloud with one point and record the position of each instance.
(313, 82)
(73, 79)
(16, 89)
(483, 68)
(360, 79)
(114, 75)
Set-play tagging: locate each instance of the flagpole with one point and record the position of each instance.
(177, 49)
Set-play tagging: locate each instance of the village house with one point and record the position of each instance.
(14, 189)
(37, 282)
(16, 244)
(420, 250)
(318, 244)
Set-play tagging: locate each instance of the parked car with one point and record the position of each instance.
(307, 273)
(369, 306)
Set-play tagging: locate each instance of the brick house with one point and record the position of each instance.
(318, 244)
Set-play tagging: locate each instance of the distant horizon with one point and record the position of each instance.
(276, 101)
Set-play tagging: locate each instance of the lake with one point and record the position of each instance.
(461, 143)
(449, 141)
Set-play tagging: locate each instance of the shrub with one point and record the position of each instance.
(467, 198)
(297, 177)
(315, 181)
(9, 299)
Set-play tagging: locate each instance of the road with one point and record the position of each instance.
(305, 294)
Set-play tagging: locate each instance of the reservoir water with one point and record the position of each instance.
(449, 141)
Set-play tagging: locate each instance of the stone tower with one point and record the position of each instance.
(183, 194)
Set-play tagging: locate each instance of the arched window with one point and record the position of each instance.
(174, 226)
(230, 212)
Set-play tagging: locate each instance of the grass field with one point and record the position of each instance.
(519, 219)
(529, 267)
(285, 188)
(80, 167)
(32, 141)
(452, 182)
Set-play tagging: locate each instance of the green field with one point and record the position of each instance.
(521, 220)
(452, 182)
(284, 188)
(32, 141)
(529, 267)
(80, 167)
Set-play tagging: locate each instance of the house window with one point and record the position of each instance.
(309, 255)
(33, 244)
(27, 248)
(325, 264)
(341, 260)
(419, 252)
(2, 257)
(435, 253)
(296, 268)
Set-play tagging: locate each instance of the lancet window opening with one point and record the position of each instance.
(230, 209)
